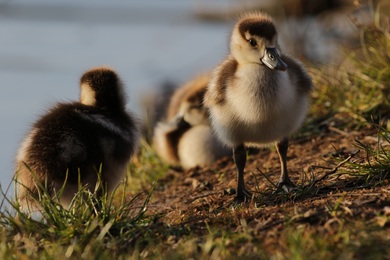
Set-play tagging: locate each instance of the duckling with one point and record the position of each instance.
(185, 137)
(257, 96)
(73, 140)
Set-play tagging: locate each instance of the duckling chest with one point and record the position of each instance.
(255, 96)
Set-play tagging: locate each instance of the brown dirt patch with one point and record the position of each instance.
(199, 196)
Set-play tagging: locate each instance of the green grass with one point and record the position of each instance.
(86, 229)
(359, 88)
(376, 166)
(355, 96)
(146, 169)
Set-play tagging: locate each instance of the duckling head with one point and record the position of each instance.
(102, 87)
(254, 41)
(186, 105)
(193, 114)
(192, 110)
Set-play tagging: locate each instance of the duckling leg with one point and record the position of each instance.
(239, 156)
(284, 183)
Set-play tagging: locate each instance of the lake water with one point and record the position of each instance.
(45, 46)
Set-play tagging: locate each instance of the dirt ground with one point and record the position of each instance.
(202, 195)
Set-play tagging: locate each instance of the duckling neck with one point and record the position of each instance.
(258, 79)
(114, 104)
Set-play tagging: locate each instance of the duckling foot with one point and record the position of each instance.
(285, 186)
(243, 197)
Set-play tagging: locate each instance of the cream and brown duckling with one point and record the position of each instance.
(257, 95)
(73, 140)
(185, 138)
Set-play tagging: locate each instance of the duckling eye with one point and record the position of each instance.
(252, 42)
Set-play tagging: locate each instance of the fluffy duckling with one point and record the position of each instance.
(185, 137)
(257, 95)
(75, 139)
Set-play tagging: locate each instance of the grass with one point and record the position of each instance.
(321, 219)
(85, 230)
(359, 88)
(146, 169)
(121, 228)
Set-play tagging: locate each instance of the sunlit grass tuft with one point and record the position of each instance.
(146, 169)
(359, 88)
(94, 225)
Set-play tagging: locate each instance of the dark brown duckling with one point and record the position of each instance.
(74, 140)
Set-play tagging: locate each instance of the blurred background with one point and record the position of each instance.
(45, 46)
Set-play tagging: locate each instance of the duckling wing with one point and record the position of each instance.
(298, 74)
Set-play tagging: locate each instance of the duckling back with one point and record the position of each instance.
(185, 137)
(75, 141)
(189, 98)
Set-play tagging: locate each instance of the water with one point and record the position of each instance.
(45, 46)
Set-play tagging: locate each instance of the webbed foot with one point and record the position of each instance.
(286, 186)
(242, 197)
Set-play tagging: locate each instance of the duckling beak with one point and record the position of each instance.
(181, 122)
(272, 60)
